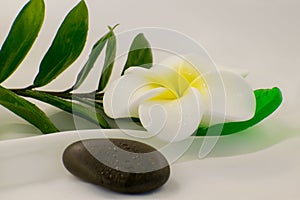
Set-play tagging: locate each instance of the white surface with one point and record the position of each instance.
(31, 168)
(260, 163)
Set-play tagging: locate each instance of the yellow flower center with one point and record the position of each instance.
(177, 80)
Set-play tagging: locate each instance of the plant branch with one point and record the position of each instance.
(65, 94)
(56, 99)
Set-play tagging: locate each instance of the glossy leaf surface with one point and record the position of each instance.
(140, 53)
(21, 37)
(66, 47)
(26, 110)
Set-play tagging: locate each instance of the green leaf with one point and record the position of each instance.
(140, 53)
(21, 37)
(267, 101)
(68, 106)
(96, 51)
(26, 110)
(66, 46)
(110, 56)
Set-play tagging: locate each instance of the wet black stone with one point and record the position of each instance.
(120, 165)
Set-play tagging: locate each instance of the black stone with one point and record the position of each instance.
(124, 166)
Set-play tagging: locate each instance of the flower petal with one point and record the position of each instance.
(190, 66)
(143, 94)
(175, 119)
(164, 76)
(117, 96)
(237, 98)
(124, 95)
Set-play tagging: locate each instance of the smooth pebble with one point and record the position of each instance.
(121, 165)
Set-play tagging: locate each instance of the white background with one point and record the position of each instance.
(260, 36)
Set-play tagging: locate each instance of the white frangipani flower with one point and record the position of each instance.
(174, 98)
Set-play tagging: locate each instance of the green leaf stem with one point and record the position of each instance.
(66, 105)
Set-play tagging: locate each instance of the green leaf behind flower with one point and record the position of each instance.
(21, 37)
(26, 110)
(140, 53)
(267, 101)
(66, 47)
